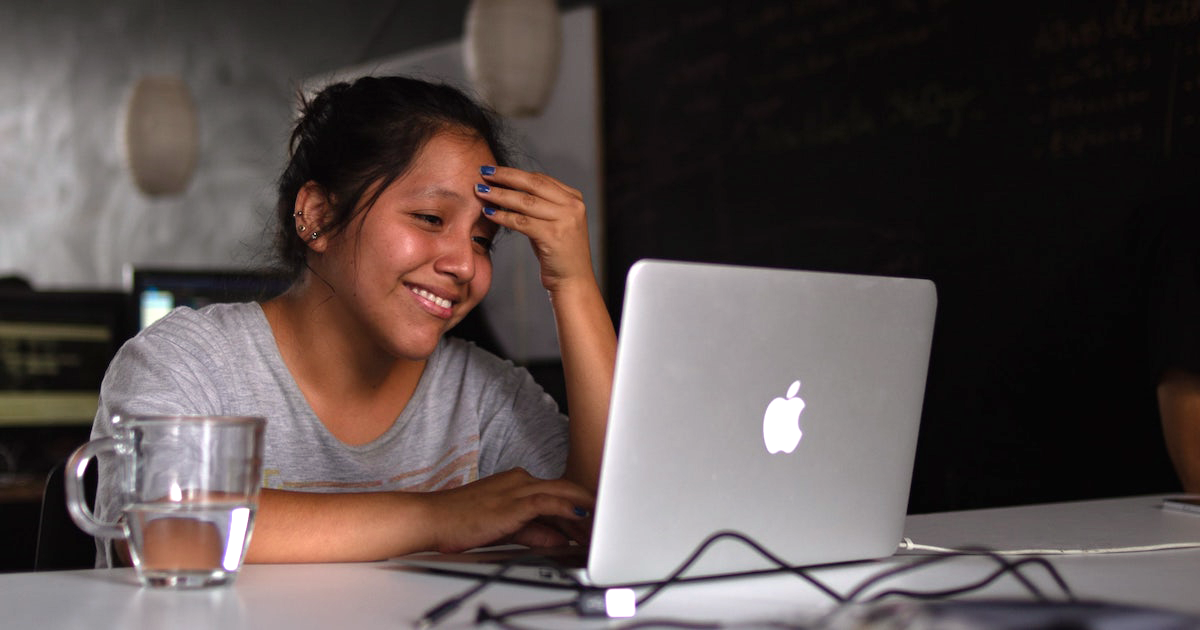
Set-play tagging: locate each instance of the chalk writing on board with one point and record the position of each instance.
(934, 105)
(1110, 79)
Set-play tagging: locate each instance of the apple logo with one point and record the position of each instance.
(781, 422)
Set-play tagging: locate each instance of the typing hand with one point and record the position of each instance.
(512, 506)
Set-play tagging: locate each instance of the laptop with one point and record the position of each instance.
(779, 404)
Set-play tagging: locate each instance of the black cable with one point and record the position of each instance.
(448, 606)
(945, 593)
(484, 614)
(1005, 564)
(674, 576)
(669, 623)
(501, 619)
(1005, 568)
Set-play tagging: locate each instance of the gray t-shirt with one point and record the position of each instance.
(472, 414)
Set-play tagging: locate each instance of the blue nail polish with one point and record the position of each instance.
(488, 210)
(487, 170)
(482, 188)
(582, 512)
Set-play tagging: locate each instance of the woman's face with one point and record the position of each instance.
(409, 268)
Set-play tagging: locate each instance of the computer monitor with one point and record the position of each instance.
(155, 291)
(54, 349)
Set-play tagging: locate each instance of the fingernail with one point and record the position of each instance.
(487, 170)
(582, 512)
(482, 188)
(488, 210)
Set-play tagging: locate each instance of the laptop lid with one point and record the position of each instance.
(780, 404)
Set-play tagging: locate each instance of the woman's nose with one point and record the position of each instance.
(457, 258)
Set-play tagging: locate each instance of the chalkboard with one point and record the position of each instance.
(1007, 151)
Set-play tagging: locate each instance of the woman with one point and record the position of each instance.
(384, 436)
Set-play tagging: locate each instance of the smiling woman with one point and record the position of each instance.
(410, 266)
(384, 436)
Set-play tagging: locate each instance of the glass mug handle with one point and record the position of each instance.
(76, 501)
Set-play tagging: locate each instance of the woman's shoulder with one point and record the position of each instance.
(471, 367)
(459, 365)
(213, 318)
(212, 330)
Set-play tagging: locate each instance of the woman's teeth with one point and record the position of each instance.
(442, 302)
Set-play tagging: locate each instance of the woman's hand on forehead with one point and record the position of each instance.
(550, 213)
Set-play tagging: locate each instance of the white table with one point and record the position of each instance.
(385, 595)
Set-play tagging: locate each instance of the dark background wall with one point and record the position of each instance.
(1011, 152)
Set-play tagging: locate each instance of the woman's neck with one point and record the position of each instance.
(354, 386)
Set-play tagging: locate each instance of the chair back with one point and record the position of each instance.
(60, 544)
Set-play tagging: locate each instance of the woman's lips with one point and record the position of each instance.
(436, 304)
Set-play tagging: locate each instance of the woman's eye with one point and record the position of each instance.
(484, 242)
(431, 219)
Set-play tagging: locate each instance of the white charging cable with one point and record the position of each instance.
(908, 545)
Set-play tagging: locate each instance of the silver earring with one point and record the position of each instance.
(314, 235)
(301, 229)
(298, 213)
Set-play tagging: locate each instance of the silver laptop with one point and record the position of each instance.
(779, 404)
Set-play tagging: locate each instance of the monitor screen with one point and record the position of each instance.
(156, 291)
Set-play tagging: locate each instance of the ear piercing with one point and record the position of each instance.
(301, 228)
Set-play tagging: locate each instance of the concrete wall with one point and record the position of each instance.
(70, 215)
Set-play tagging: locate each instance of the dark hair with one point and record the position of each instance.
(352, 136)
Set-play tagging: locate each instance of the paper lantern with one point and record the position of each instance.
(511, 53)
(161, 135)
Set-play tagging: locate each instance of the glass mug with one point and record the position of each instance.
(187, 489)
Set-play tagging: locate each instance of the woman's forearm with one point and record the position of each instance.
(313, 527)
(588, 344)
(359, 527)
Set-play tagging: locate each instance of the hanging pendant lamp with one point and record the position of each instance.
(511, 52)
(161, 135)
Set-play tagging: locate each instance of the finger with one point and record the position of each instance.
(580, 531)
(495, 198)
(504, 218)
(548, 505)
(523, 483)
(532, 194)
(538, 183)
(581, 500)
(564, 497)
(535, 534)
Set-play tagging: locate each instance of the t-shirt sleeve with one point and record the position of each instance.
(154, 373)
(535, 436)
(520, 425)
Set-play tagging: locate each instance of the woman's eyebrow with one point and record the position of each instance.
(440, 192)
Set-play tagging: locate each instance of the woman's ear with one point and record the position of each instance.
(311, 214)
